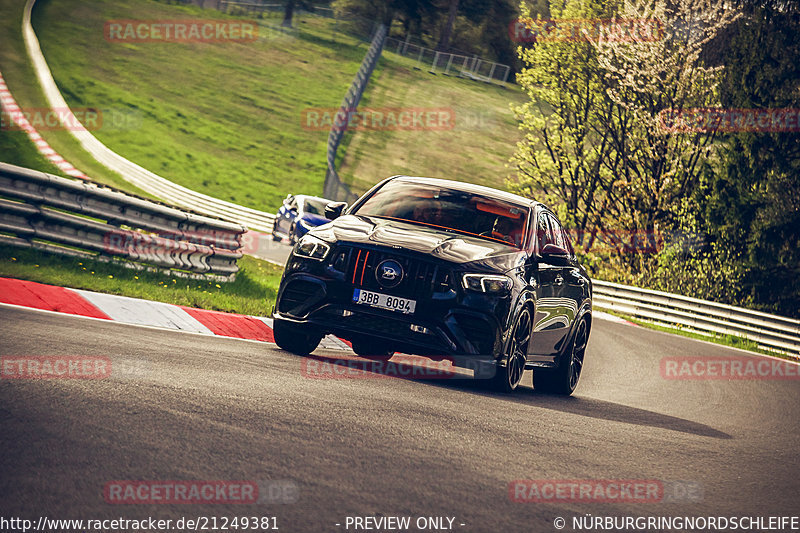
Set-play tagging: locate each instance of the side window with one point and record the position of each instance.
(560, 235)
(543, 234)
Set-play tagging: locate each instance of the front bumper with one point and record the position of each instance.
(448, 321)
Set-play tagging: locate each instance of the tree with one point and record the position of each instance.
(752, 205)
(654, 81)
(289, 9)
(562, 156)
(410, 13)
(288, 13)
(468, 26)
(595, 137)
(447, 32)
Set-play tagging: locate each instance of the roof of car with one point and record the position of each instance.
(470, 188)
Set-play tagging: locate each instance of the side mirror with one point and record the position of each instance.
(334, 209)
(554, 255)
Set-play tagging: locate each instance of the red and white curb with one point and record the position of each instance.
(143, 312)
(15, 113)
(139, 312)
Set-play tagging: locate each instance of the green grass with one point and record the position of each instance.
(16, 148)
(225, 118)
(253, 292)
(724, 340)
(22, 83)
(220, 118)
(475, 150)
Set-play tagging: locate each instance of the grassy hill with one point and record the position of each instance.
(226, 118)
(22, 82)
(476, 149)
(16, 148)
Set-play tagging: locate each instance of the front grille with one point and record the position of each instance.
(420, 278)
(384, 327)
(299, 294)
(380, 326)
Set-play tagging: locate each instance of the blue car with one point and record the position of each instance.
(297, 215)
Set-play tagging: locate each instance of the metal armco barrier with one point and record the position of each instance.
(78, 218)
(771, 332)
(334, 188)
(131, 172)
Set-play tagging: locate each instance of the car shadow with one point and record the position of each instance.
(437, 376)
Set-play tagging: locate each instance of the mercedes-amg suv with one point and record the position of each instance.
(442, 269)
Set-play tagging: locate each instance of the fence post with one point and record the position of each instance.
(447, 68)
(435, 62)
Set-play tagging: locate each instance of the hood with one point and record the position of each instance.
(439, 244)
(316, 220)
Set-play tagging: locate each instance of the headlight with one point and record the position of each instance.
(312, 248)
(487, 283)
(305, 224)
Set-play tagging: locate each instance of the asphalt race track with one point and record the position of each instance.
(187, 407)
(273, 251)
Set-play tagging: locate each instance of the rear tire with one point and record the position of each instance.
(295, 338)
(564, 379)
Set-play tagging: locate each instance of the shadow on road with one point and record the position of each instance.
(380, 368)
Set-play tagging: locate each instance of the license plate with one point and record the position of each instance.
(384, 301)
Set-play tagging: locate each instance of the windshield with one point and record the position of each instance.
(449, 209)
(314, 206)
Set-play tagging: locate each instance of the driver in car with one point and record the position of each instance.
(502, 229)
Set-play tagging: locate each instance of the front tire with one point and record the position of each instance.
(564, 379)
(295, 338)
(508, 378)
(275, 236)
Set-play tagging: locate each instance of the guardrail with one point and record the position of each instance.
(78, 218)
(334, 188)
(131, 172)
(771, 332)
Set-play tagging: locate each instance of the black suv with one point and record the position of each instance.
(442, 269)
